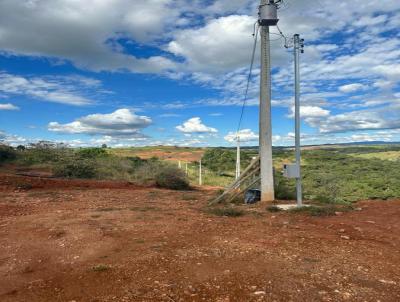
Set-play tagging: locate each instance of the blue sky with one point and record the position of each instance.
(173, 72)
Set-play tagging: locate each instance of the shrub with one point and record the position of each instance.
(75, 169)
(221, 160)
(92, 153)
(6, 153)
(171, 178)
(284, 188)
(36, 156)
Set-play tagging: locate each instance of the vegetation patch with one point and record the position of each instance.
(108, 209)
(7, 153)
(273, 209)
(84, 169)
(100, 268)
(189, 197)
(327, 210)
(172, 178)
(226, 211)
(143, 209)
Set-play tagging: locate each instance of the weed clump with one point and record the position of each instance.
(321, 211)
(229, 212)
(100, 268)
(171, 178)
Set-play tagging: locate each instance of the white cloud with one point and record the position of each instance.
(121, 123)
(207, 48)
(370, 21)
(245, 136)
(8, 106)
(349, 88)
(87, 33)
(384, 118)
(310, 112)
(195, 125)
(64, 90)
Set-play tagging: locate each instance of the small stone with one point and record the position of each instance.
(346, 296)
(342, 230)
(338, 213)
(387, 282)
(259, 293)
(345, 237)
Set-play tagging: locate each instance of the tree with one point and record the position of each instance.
(21, 148)
(104, 146)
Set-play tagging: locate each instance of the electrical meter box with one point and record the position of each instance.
(291, 171)
(268, 14)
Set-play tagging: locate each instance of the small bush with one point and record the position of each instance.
(171, 178)
(6, 153)
(229, 212)
(75, 169)
(284, 188)
(92, 153)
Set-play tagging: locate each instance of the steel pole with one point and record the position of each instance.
(297, 47)
(265, 140)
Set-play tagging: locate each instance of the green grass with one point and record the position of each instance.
(389, 155)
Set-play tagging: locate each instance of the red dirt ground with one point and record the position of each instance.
(119, 242)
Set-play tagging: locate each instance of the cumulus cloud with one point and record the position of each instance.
(8, 106)
(206, 48)
(86, 33)
(195, 125)
(121, 123)
(245, 136)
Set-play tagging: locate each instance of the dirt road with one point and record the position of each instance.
(125, 243)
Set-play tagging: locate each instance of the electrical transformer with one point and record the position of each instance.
(268, 14)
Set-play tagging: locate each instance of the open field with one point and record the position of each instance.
(164, 153)
(110, 242)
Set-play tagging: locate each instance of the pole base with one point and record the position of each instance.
(267, 196)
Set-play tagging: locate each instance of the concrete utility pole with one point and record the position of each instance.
(268, 17)
(186, 169)
(298, 47)
(238, 157)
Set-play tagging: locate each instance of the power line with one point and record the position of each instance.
(248, 79)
